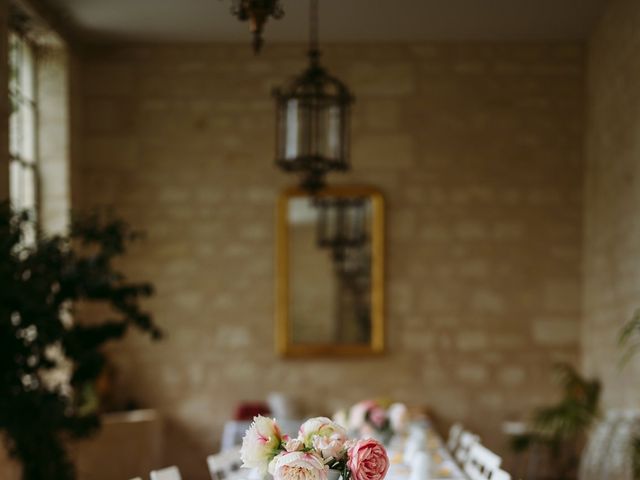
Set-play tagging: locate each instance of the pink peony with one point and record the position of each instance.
(298, 466)
(368, 460)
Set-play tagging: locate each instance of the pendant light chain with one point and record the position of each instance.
(314, 29)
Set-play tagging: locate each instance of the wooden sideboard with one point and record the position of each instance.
(130, 444)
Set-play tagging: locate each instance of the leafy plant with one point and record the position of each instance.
(560, 428)
(46, 357)
(629, 339)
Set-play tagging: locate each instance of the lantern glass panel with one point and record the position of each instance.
(330, 132)
(292, 130)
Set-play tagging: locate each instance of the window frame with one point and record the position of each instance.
(23, 98)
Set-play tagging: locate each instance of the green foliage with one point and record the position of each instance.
(560, 428)
(40, 284)
(629, 339)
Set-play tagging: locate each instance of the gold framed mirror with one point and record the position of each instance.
(330, 272)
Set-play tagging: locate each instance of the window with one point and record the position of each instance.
(23, 173)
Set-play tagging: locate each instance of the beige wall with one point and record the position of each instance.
(478, 149)
(54, 125)
(612, 200)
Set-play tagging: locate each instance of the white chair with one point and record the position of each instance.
(171, 473)
(481, 463)
(454, 436)
(596, 451)
(467, 440)
(619, 463)
(225, 465)
(500, 475)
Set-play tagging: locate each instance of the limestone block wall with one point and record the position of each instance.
(54, 129)
(478, 150)
(612, 200)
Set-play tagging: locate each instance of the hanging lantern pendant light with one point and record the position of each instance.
(313, 114)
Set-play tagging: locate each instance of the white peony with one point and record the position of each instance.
(320, 426)
(261, 443)
(298, 466)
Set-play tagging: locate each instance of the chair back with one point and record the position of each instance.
(467, 440)
(171, 473)
(607, 454)
(225, 465)
(481, 463)
(454, 436)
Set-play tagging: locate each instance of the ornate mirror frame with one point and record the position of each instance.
(284, 337)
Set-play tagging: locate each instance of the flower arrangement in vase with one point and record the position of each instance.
(321, 451)
(371, 418)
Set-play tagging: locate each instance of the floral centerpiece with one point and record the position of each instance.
(374, 418)
(321, 449)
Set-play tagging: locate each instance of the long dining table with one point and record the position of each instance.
(440, 466)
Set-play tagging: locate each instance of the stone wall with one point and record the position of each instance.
(478, 150)
(612, 200)
(54, 126)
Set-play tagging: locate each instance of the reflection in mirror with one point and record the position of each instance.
(330, 272)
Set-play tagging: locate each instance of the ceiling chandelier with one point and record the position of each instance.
(257, 12)
(312, 119)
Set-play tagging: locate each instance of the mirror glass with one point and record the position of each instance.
(330, 272)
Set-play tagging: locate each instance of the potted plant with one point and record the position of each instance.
(560, 429)
(48, 357)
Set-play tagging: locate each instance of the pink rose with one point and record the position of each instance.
(368, 460)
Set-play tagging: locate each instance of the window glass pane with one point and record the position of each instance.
(14, 129)
(15, 183)
(28, 130)
(27, 75)
(28, 187)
